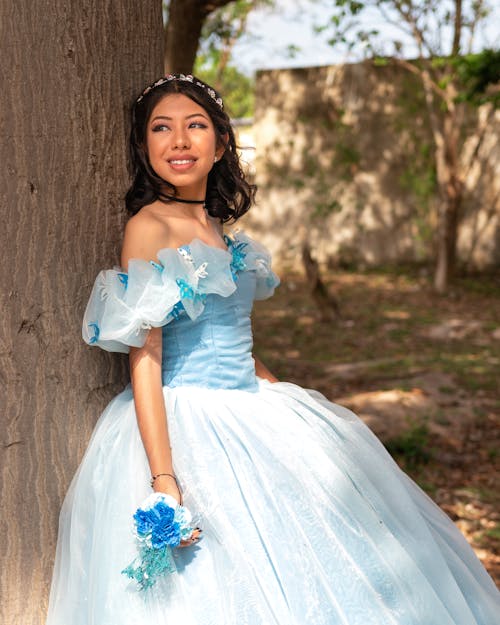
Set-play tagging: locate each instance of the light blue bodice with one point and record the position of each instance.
(215, 349)
(201, 296)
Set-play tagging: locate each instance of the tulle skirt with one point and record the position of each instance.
(306, 520)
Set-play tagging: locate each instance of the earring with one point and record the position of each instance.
(215, 159)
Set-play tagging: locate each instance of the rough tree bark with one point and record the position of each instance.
(69, 70)
(183, 31)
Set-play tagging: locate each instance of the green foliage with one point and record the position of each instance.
(412, 447)
(221, 30)
(346, 155)
(236, 88)
(225, 24)
(293, 50)
(494, 532)
(480, 77)
(323, 209)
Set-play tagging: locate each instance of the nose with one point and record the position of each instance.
(180, 138)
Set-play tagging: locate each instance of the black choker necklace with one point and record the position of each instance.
(172, 198)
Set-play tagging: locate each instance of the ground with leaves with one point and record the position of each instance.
(421, 370)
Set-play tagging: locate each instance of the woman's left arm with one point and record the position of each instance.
(262, 371)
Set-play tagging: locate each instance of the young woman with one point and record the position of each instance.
(305, 517)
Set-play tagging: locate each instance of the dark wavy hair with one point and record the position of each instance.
(229, 194)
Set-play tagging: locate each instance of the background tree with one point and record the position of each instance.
(222, 30)
(185, 19)
(442, 34)
(200, 37)
(214, 63)
(66, 86)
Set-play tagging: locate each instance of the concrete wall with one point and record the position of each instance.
(346, 151)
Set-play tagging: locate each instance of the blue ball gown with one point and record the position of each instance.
(306, 518)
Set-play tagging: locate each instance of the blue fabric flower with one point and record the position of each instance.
(238, 255)
(165, 531)
(144, 520)
(123, 277)
(95, 328)
(186, 291)
(160, 524)
(157, 266)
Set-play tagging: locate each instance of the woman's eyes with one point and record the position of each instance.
(160, 127)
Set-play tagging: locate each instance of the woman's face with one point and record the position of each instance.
(181, 144)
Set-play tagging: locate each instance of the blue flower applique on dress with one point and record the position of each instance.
(236, 248)
(123, 277)
(93, 339)
(156, 265)
(186, 291)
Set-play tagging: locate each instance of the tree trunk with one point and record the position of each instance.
(73, 68)
(228, 45)
(447, 241)
(183, 31)
(327, 303)
(451, 191)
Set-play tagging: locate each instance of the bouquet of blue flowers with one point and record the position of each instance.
(160, 525)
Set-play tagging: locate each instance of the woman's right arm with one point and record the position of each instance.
(145, 375)
(141, 241)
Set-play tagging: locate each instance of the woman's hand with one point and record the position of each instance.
(194, 538)
(168, 485)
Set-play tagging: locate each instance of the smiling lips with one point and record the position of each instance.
(182, 164)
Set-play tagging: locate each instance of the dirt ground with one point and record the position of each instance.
(421, 370)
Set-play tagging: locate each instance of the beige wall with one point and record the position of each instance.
(353, 142)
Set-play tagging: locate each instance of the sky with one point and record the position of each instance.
(270, 32)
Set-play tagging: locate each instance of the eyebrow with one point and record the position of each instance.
(188, 117)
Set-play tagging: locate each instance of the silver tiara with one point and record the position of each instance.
(186, 78)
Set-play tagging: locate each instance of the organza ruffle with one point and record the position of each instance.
(123, 306)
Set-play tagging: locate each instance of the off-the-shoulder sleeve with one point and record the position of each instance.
(252, 255)
(123, 306)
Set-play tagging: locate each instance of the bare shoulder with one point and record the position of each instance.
(144, 235)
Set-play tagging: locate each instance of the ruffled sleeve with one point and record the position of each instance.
(123, 306)
(248, 254)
